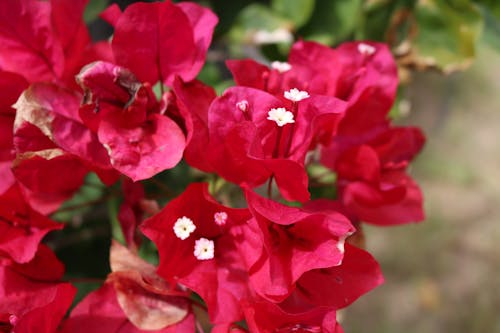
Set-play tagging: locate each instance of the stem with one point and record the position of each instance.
(270, 187)
(199, 328)
(85, 204)
(85, 280)
(288, 142)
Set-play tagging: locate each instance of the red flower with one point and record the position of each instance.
(46, 41)
(33, 299)
(266, 317)
(55, 149)
(21, 228)
(160, 40)
(336, 287)
(280, 244)
(133, 299)
(140, 141)
(192, 100)
(11, 86)
(373, 184)
(100, 311)
(254, 135)
(197, 250)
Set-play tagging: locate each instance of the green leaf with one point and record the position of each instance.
(493, 6)
(377, 17)
(333, 21)
(298, 11)
(447, 33)
(93, 9)
(81, 202)
(255, 21)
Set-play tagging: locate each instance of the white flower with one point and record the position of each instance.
(366, 49)
(281, 67)
(281, 116)
(220, 218)
(242, 105)
(204, 249)
(183, 227)
(296, 95)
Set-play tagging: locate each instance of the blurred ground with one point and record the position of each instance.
(443, 275)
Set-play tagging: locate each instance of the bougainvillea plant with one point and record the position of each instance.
(288, 164)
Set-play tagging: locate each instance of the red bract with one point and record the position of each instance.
(338, 286)
(249, 145)
(55, 149)
(21, 228)
(280, 243)
(11, 86)
(160, 40)
(140, 141)
(100, 311)
(197, 250)
(131, 212)
(45, 40)
(265, 317)
(372, 180)
(32, 298)
(193, 100)
(362, 73)
(133, 299)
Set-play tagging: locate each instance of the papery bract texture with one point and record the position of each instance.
(246, 147)
(11, 86)
(33, 299)
(100, 311)
(160, 40)
(21, 228)
(221, 281)
(46, 41)
(140, 141)
(280, 243)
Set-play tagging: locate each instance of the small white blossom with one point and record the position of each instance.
(204, 249)
(183, 227)
(366, 49)
(296, 95)
(281, 116)
(281, 67)
(220, 218)
(242, 105)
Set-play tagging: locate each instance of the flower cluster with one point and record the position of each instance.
(282, 263)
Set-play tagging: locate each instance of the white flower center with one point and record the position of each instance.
(281, 116)
(366, 49)
(183, 227)
(280, 66)
(204, 249)
(296, 95)
(242, 105)
(220, 218)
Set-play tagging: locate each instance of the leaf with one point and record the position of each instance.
(256, 24)
(493, 6)
(333, 21)
(93, 9)
(298, 11)
(445, 35)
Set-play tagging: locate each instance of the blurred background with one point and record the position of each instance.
(443, 274)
